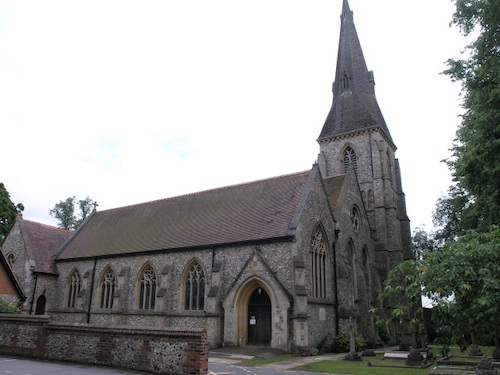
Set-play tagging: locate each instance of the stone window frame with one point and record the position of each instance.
(194, 287)
(147, 287)
(108, 286)
(73, 288)
(355, 218)
(11, 259)
(319, 263)
(349, 157)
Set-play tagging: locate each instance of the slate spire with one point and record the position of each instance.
(354, 106)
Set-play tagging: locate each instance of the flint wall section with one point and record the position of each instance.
(152, 350)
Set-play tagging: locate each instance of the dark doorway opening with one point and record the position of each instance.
(259, 318)
(40, 305)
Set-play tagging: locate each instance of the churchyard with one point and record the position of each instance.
(396, 363)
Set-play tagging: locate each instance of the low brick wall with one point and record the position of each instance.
(153, 350)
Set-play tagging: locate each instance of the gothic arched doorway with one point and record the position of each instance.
(259, 318)
(40, 305)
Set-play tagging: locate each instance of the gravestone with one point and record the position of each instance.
(414, 358)
(353, 355)
(475, 351)
(485, 367)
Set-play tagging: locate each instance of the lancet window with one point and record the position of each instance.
(194, 298)
(350, 159)
(147, 289)
(319, 263)
(108, 287)
(74, 286)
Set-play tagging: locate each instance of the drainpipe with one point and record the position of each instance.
(91, 291)
(33, 295)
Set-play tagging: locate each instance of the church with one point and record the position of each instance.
(278, 262)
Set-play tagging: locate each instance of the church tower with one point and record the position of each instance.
(356, 136)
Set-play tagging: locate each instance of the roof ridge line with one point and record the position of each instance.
(206, 191)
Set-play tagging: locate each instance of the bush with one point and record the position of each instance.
(386, 338)
(339, 344)
(9, 307)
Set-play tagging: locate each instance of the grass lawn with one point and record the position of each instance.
(362, 368)
(390, 366)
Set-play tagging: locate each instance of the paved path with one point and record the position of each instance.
(26, 366)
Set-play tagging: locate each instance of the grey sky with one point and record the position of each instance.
(131, 101)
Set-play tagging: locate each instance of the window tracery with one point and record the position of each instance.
(318, 264)
(108, 287)
(350, 159)
(74, 287)
(195, 288)
(147, 293)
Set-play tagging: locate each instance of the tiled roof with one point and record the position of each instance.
(354, 106)
(254, 211)
(42, 243)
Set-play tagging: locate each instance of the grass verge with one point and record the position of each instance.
(391, 367)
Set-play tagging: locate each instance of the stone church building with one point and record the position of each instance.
(278, 262)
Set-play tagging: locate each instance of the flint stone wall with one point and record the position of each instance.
(153, 350)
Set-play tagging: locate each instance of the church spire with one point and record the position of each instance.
(354, 104)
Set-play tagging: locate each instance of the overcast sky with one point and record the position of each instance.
(132, 101)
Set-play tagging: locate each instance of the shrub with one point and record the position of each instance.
(9, 307)
(339, 344)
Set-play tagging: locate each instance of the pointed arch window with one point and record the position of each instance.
(355, 218)
(346, 82)
(74, 286)
(350, 159)
(194, 298)
(147, 289)
(319, 263)
(11, 259)
(108, 287)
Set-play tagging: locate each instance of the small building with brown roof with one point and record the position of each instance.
(10, 290)
(30, 248)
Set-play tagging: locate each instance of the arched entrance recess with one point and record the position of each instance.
(40, 305)
(254, 308)
(259, 318)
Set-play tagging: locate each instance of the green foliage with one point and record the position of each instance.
(9, 307)
(64, 212)
(402, 291)
(339, 344)
(474, 203)
(8, 212)
(421, 242)
(463, 279)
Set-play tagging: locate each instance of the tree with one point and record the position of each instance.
(403, 290)
(475, 160)
(463, 280)
(8, 212)
(64, 211)
(421, 241)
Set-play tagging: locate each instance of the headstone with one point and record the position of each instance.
(368, 353)
(414, 358)
(352, 356)
(475, 351)
(496, 354)
(485, 367)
